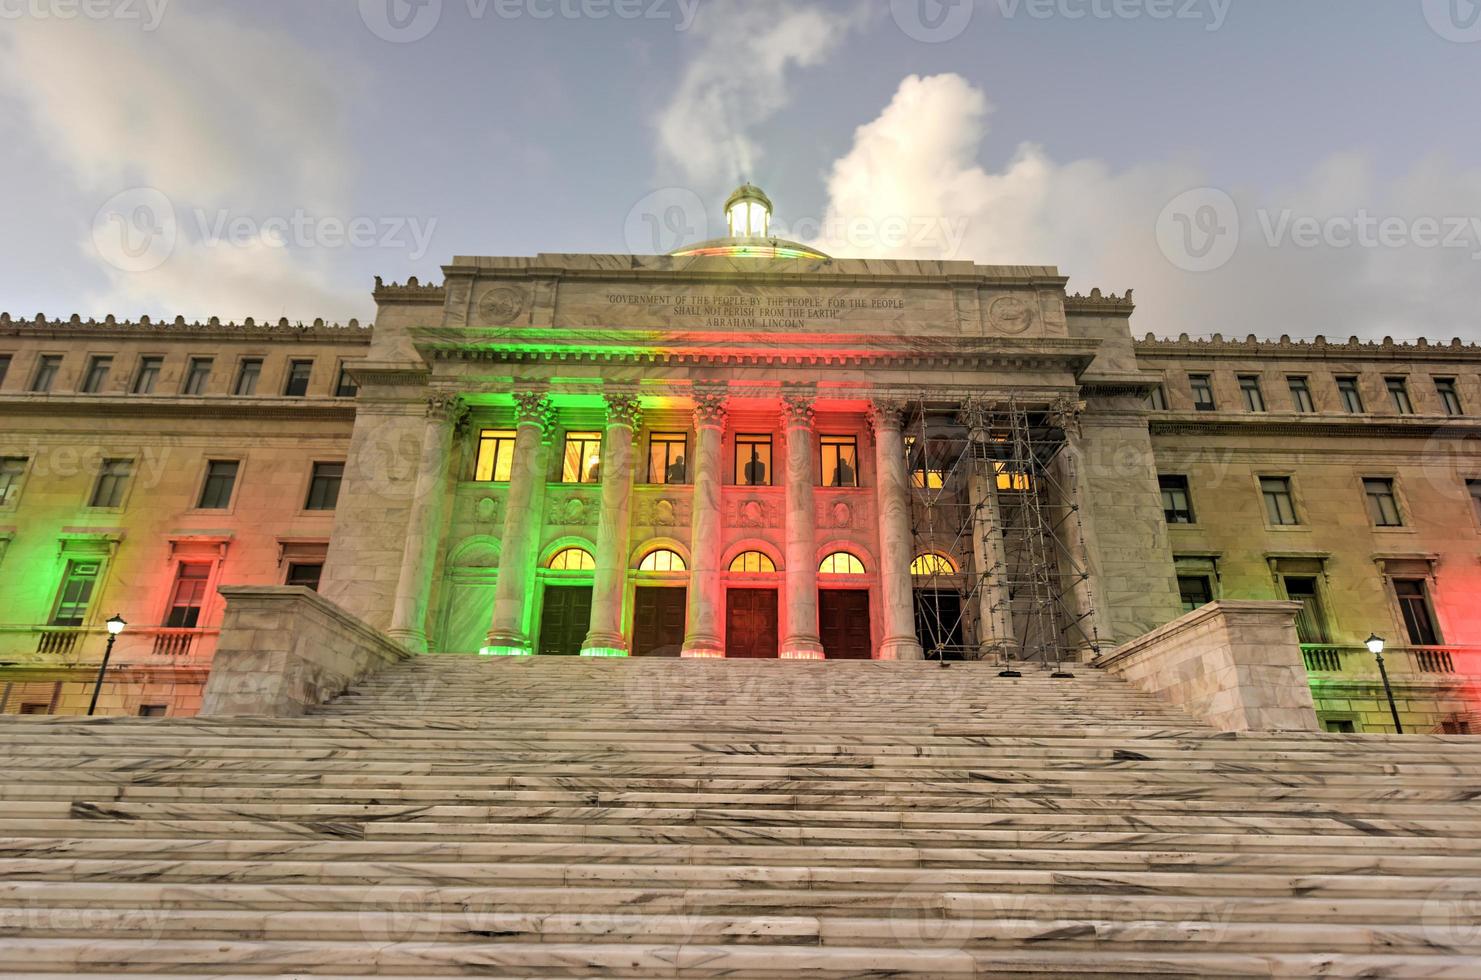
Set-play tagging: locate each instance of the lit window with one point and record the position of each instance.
(753, 460)
(97, 374)
(1301, 395)
(1011, 479)
(197, 375)
(841, 563)
(76, 593)
(189, 596)
(324, 484)
(495, 456)
(221, 477)
(573, 560)
(1280, 505)
(113, 480)
(666, 462)
(932, 564)
(247, 376)
(1383, 505)
(922, 476)
(148, 375)
(840, 461)
(663, 560)
(753, 562)
(1352, 398)
(299, 373)
(1249, 389)
(583, 460)
(46, 372)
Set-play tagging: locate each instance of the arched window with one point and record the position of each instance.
(841, 563)
(752, 561)
(932, 564)
(663, 560)
(573, 560)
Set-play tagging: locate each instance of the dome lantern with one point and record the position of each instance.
(748, 212)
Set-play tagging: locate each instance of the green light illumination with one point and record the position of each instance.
(505, 652)
(603, 652)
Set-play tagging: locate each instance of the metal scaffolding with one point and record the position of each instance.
(1002, 573)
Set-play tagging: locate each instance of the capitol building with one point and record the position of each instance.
(744, 449)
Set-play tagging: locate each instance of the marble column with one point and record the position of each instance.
(605, 637)
(706, 599)
(424, 525)
(802, 641)
(896, 544)
(524, 511)
(989, 554)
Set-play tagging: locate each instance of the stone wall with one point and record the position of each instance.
(284, 650)
(1235, 665)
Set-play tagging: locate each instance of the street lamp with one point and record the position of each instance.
(1375, 647)
(115, 626)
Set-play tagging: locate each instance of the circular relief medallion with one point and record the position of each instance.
(502, 305)
(1010, 314)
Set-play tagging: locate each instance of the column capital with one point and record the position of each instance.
(797, 411)
(623, 408)
(710, 407)
(887, 415)
(532, 407)
(446, 407)
(1065, 412)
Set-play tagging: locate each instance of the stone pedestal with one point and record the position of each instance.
(523, 516)
(605, 637)
(802, 641)
(706, 598)
(424, 525)
(896, 545)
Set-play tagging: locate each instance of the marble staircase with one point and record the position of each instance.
(738, 819)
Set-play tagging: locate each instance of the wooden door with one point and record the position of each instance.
(658, 622)
(843, 624)
(564, 620)
(751, 624)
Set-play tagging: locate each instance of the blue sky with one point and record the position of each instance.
(1323, 148)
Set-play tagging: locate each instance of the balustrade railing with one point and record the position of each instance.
(1325, 658)
(77, 646)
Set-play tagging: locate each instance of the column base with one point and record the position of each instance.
(901, 648)
(703, 647)
(802, 648)
(505, 643)
(413, 640)
(604, 645)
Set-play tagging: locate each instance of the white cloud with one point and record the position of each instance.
(213, 114)
(917, 164)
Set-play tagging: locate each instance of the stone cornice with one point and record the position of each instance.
(212, 329)
(412, 292)
(1353, 349)
(1290, 424)
(1097, 304)
(177, 406)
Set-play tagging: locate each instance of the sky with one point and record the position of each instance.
(1275, 167)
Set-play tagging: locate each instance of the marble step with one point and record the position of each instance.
(759, 854)
(735, 962)
(905, 930)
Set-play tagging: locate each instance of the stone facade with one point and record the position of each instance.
(554, 454)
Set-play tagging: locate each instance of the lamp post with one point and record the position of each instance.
(1375, 647)
(115, 627)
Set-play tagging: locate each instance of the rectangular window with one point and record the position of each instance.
(148, 375)
(344, 385)
(1301, 395)
(1449, 396)
(1280, 506)
(1195, 591)
(113, 482)
(4, 367)
(76, 594)
(97, 374)
(1352, 398)
(840, 461)
(583, 459)
(297, 384)
(153, 710)
(197, 376)
(1157, 401)
(305, 575)
(495, 460)
(12, 471)
(1475, 487)
(668, 457)
(1254, 397)
(1383, 506)
(1177, 505)
(46, 372)
(753, 460)
(1340, 726)
(1398, 391)
(221, 478)
(1414, 602)
(189, 595)
(1311, 621)
(1203, 392)
(247, 376)
(324, 486)
(1455, 727)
